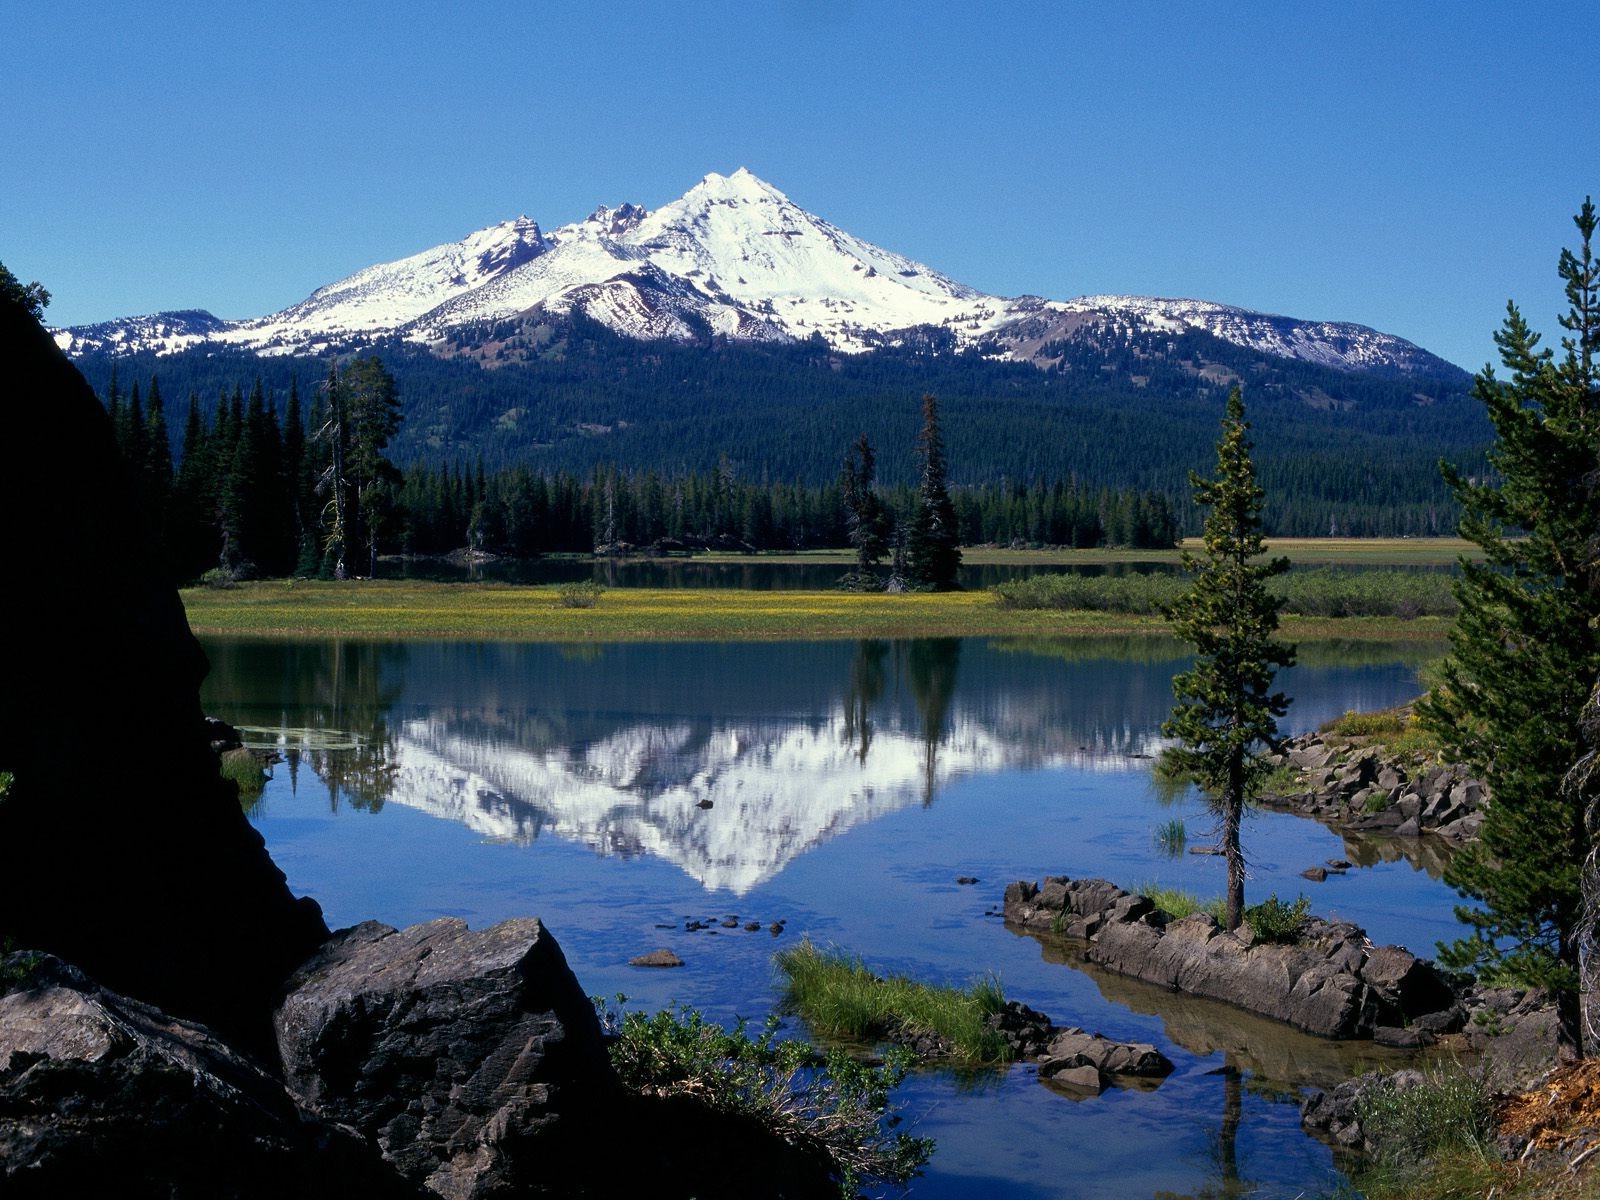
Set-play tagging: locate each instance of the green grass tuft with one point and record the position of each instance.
(1176, 903)
(1172, 837)
(829, 1106)
(1365, 724)
(839, 997)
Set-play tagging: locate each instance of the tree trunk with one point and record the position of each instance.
(1232, 815)
(1569, 1009)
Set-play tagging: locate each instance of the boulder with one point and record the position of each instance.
(102, 1095)
(473, 1060)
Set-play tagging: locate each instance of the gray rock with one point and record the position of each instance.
(664, 957)
(1083, 1078)
(1320, 984)
(1315, 874)
(102, 1095)
(474, 1060)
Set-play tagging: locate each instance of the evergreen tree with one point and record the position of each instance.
(866, 518)
(155, 477)
(192, 522)
(372, 413)
(331, 483)
(932, 548)
(1525, 649)
(1225, 716)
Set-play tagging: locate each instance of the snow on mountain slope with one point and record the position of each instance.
(735, 257)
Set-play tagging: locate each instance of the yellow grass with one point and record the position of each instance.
(394, 609)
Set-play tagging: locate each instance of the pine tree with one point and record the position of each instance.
(157, 472)
(372, 414)
(1525, 649)
(866, 518)
(331, 483)
(932, 549)
(1225, 717)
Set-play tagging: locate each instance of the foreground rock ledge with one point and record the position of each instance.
(1332, 982)
(102, 1095)
(474, 1060)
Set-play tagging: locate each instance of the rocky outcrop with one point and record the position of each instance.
(103, 1095)
(1358, 787)
(1331, 981)
(1072, 1058)
(149, 878)
(473, 1060)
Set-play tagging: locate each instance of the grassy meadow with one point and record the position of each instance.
(385, 609)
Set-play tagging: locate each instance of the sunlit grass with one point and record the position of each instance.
(839, 997)
(386, 609)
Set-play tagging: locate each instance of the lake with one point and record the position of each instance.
(619, 791)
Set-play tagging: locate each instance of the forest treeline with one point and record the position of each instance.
(1353, 454)
(256, 489)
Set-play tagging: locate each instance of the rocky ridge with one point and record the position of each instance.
(1358, 786)
(1331, 981)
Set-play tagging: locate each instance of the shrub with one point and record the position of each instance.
(827, 1105)
(838, 996)
(1366, 724)
(1274, 921)
(583, 594)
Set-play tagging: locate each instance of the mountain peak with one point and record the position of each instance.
(736, 256)
(743, 184)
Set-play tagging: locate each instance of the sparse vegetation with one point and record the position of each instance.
(1365, 725)
(1274, 921)
(244, 769)
(585, 593)
(1444, 1124)
(1316, 593)
(1175, 904)
(831, 1105)
(1172, 837)
(839, 997)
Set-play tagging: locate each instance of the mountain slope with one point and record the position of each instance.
(733, 258)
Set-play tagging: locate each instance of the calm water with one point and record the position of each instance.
(842, 787)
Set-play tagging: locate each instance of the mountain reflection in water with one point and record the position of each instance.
(728, 760)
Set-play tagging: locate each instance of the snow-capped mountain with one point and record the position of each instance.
(733, 257)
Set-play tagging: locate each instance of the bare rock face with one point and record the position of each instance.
(474, 1060)
(1331, 981)
(103, 1095)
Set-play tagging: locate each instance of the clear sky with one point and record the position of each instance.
(1408, 166)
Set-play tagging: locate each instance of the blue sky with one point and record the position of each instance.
(1408, 166)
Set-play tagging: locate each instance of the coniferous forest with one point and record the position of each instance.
(580, 438)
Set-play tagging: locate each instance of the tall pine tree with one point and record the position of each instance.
(1525, 649)
(1225, 718)
(866, 517)
(932, 546)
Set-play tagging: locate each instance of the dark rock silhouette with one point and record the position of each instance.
(105, 1096)
(129, 855)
